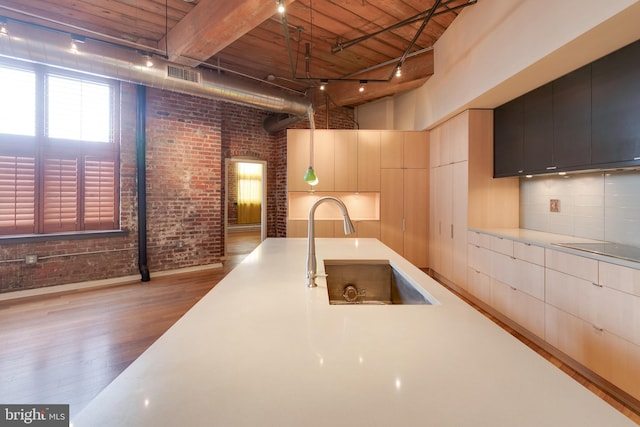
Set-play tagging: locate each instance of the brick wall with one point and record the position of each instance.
(188, 139)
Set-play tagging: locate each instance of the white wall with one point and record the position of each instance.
(499, 49)
(601, 206)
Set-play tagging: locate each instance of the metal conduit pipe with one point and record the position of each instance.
(43, 46)
(141, 169)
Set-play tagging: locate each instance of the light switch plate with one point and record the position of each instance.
(554, 205)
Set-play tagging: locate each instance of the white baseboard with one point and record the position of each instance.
(99, 283)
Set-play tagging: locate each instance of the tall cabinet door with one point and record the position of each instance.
(442, 220)
(459, 190)
(416, 216)
(391, 209)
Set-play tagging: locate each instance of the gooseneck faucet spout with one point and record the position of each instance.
(311, 235)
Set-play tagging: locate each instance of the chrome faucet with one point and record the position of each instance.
(311, 236)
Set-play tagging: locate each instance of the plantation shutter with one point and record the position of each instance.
(17, 195)
(100, 198)
(60, 195)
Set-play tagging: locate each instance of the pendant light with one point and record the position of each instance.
(310, 176)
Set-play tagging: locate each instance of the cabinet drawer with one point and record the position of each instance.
(518, 306)
(479, 285)
(576, 296)
(501, 245)
(528, 252)
(479, 259)
(580, 340)
(613, 358)
(522, 275)
(620, 314)
(618, 277)
(585, 268)
(479, 239)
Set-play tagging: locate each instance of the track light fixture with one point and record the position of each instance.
(362, 84)
(75, 41)
(323, 84)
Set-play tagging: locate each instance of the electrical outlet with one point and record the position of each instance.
(554, 205)
(31, 259)
(180, 245)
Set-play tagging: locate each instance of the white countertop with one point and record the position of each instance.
(261, 349)
(551, 241)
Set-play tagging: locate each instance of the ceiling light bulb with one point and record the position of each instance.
(361, 88)
(399, 71)
(3, 29)
(280, 7)
(148, 62)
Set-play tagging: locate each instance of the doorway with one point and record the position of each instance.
(245, 213)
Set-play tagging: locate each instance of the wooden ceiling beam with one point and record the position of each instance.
(212, 25)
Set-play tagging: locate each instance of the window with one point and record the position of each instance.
(59, 151)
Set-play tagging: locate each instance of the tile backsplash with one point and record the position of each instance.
(598, 205)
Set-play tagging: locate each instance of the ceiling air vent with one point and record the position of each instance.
(183, 74)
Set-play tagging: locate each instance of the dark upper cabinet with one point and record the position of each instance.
(616, 106)
(538, 130)
(589, 118)
(508, 138)
(572, 119)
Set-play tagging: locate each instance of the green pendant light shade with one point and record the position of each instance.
(310, 176)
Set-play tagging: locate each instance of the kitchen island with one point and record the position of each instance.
(262, 349)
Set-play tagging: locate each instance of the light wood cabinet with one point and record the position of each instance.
(586, 308)
(345, 161)
(519, 274)
(519, 306)
(404, 213)
(449, 189)
(298, 159)
(391, 164)
(479, 285)
(516, 286)
(391, 209)
(369, 159)
(591, 319)
(463, 191)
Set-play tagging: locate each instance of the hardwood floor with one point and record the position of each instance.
(65, 348)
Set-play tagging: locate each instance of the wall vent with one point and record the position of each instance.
(183, 74)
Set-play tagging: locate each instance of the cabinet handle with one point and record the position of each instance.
(597, 328)
(596, 284)
(404, 225)
(452, 231)
(550, 168)
(513, 289)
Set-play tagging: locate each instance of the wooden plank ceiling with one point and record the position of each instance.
(248, 38)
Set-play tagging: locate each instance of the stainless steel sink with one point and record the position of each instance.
(369, 282)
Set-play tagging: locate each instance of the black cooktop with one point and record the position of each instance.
(617, 250)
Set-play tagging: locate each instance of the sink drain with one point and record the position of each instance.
(350, 293)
